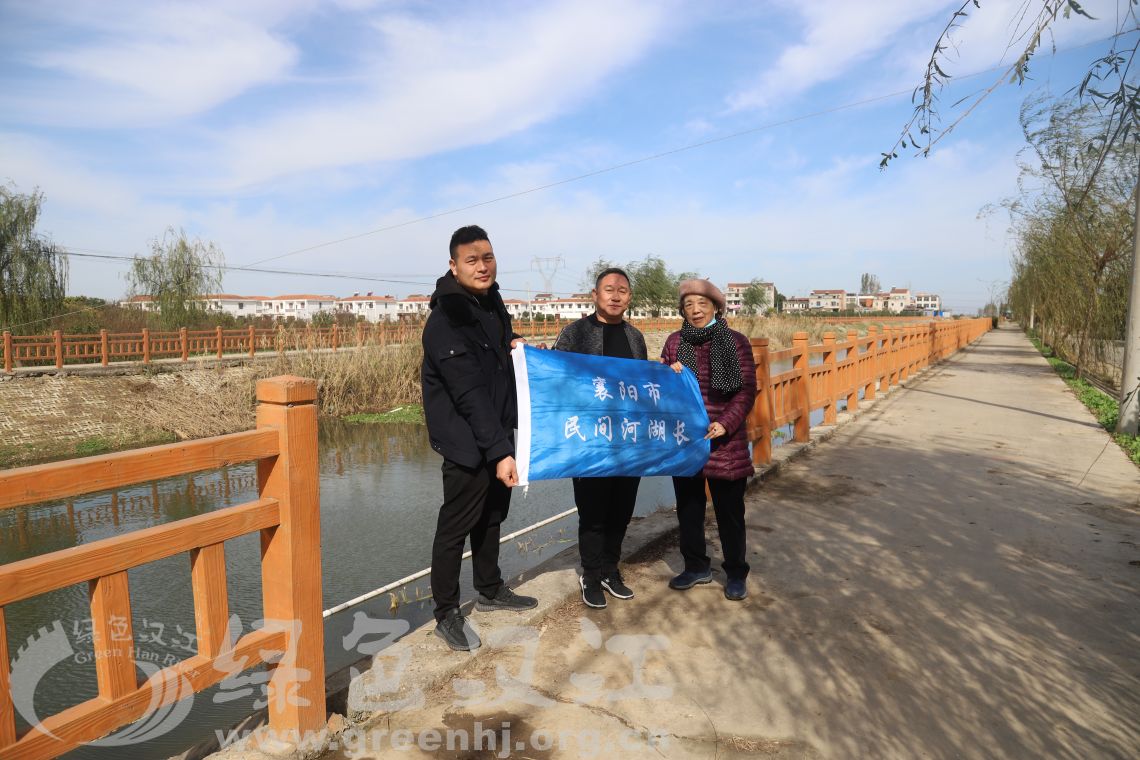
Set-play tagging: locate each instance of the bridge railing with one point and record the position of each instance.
(872, 364)
(59, 349)
(287, 516)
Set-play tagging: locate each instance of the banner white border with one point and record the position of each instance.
(522, 393)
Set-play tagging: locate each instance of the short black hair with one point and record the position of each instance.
(607, 272)
(469, 234)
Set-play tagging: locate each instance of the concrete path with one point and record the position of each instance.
(953, 574)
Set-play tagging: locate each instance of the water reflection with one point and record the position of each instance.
(380, 493)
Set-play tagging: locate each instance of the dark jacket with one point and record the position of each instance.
(585, 337)
(729, 459)
(468, 379)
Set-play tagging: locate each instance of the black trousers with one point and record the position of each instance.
(728, 503)
(475, 504)
(605, 506)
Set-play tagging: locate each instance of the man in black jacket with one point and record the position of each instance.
(470, 408)
(605, 505)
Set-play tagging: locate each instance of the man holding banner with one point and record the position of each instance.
(605, 504)
(470, 409)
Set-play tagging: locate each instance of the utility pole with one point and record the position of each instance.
(1129, 420)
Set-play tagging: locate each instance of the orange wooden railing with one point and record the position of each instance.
(59, 349)
(872, 363)
(287, 515)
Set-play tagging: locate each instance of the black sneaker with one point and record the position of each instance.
(690, 578)
(592, 593)
(505, 599)
(457, 632)
(616, 586)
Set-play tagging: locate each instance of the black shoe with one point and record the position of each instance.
(505, 599)
(592, 593)
(616, 586)
(457, 632)
(735, 589)
(689, 578)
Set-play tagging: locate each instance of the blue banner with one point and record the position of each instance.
(594, 416)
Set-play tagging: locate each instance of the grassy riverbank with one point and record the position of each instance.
(411, 414)
(1104, 407)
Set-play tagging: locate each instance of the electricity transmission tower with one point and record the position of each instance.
(547, 269)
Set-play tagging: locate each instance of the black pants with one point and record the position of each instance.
(728, 503)
(605, 506)
(475, 504)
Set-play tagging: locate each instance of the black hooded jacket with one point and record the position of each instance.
(467, 376)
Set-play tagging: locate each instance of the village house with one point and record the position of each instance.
(369, 307)
(928, 303)
(734, 295)
(828, 300)
(144, 303)
(900, 300)
(414, 306)
(238, 306)
(301, 306)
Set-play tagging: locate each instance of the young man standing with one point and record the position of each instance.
(470, 408)
(605, 505)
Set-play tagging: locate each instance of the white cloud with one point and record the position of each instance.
(140, 64)
(458, 82)
(837, 36)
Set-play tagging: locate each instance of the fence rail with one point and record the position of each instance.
(872, 364)
(287, 516)
(59, 349)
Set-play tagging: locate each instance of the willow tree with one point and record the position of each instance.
(1074, 221)
(176, 274)
(33, 270)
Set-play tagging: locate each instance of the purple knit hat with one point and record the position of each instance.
(701, 288)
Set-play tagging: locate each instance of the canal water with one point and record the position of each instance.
(380, 492)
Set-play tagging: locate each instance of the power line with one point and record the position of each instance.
(67, 251)
(654, 157)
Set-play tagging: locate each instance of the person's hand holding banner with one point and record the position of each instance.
(594, 416)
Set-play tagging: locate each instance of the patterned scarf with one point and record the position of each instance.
(723, 362)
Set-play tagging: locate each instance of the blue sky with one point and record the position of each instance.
(268, 126)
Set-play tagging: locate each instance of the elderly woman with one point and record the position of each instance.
(722, 361)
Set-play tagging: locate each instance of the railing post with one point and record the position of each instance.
(853, 369)
(873, 363)
(800, 365)
(252, 341)
(7, 709)
(104, 352)
(7, 351)
(762, 414)
(928, 349)
(146, 345)
(218, 337)
(334, 336)
(58, 335)
(892, 377)
(830, 414)
(291, 554)
(184, 342)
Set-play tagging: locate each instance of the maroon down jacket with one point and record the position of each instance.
(729, 459)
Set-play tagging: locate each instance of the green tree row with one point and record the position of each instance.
(1073, 221)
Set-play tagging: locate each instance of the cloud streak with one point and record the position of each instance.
(454, 83)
